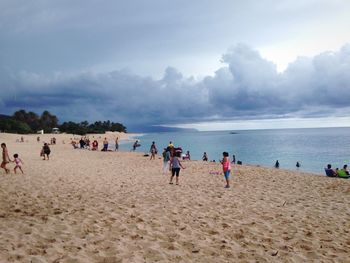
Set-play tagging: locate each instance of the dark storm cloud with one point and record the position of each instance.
(248, 87)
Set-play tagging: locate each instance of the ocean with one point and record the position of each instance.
(312, 148)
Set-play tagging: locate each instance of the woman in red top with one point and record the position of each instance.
(226, 167)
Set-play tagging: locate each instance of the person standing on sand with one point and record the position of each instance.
(226, 167)
(105, 145)
(233, 159)
(5, 158)
(277, 164)
(18, 163)
(153, 151)
(175, 165)
(166, 160)
(116, 144)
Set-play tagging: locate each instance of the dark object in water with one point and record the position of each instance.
(239, 162)
(233, 132)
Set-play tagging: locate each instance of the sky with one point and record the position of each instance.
(201, 64)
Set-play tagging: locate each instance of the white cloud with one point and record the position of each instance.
(247, 88)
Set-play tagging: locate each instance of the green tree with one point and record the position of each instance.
(48, 121)
(30, 118)
(14, 126)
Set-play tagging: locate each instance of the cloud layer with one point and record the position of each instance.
(246, 87)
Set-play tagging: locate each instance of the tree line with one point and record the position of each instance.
(23, 122)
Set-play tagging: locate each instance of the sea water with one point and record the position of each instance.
(312, 148)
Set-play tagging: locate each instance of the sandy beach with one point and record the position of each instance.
(88, 206)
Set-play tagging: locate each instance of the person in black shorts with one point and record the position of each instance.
(175, 165)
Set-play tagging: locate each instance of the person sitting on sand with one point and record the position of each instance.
(5, 158)
(74, 144)
(46, 151)
(175, 165)
(18, 163)
(94, 145)
(87, 143)
(343, 173)
(329, 171)
(226, 167)
(187, 156)
(205, 157)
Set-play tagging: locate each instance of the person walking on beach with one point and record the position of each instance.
(166, 160)
(226, 167)
(5, 158)
(45, 152)
(205, 157)
(116, 144)
(175, 165)
(153, 151)
(18, 163)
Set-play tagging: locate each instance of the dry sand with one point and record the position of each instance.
(84, 206)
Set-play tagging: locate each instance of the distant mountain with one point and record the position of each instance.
(5, 117)
(150, 129)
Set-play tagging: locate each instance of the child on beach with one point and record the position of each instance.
(226, 167)
(5, 158)
(175, 165)
(18, 163)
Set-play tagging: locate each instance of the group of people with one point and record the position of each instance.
(341, 173)
(277, 164)
(44, 152)
(6, 159)
(85, 143)
(172, 161)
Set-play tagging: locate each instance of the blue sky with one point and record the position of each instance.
(204, 64)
